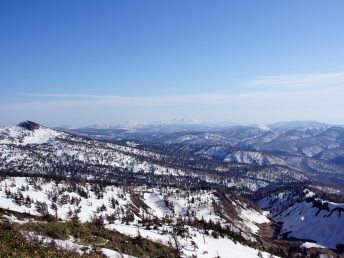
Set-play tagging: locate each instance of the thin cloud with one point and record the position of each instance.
(69, 100)
(265, 84)
(258, 97)
(300, 81)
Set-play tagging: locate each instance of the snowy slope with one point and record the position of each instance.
(31, 147)
(20, 135)
(315, 220)
(24, 194)
(198, 244)
(161, 202)
(70, 245)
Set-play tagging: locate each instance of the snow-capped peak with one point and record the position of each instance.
(27, 132)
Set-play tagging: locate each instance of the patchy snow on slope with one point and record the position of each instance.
(69, 245)
(89, 201)
(247, 157)
(203, 246)
(311, 151)
(88, 206)
(14, 219)
(156, 202)
(133, 230)
(318, 221)
(252, 218)
(312, 245)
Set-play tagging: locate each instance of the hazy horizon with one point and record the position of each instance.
(170, 122)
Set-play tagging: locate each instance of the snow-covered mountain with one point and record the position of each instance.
(133, 210)
(301, 215)
(201, 191)
(298, 124)
(28, 132)
(32, 148)
(316, 151)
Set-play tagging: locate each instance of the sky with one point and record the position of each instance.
(84, 62)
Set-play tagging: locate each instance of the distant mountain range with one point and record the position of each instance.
(186, 123)
(298, 124)
(316, 149)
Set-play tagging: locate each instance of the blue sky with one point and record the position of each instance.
(85, 62)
